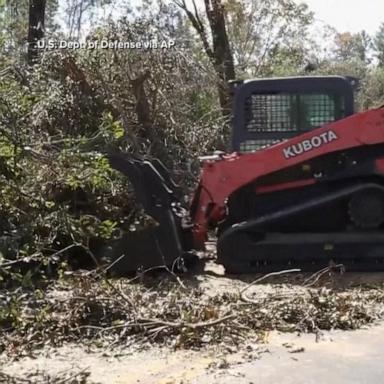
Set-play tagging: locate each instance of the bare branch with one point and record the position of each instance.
(198, 25)
(258, 280)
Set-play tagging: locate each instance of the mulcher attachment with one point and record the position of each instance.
(162, 244)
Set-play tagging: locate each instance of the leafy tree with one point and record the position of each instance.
(353, 47)
(263, 34)
(80, 12)
(57, 189)
(371, 93)
(379, 45)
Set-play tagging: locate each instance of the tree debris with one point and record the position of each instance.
(137, 313)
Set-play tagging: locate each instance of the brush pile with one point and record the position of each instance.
(136, 313)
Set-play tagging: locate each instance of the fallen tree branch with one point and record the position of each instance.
(258, 280)
(317, 275)
(158, 323)
(183, 324)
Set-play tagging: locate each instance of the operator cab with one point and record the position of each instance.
(271, 110)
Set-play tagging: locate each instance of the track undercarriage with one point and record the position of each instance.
(343, 226)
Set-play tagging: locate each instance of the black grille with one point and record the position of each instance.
(255, 145)
(291, 112)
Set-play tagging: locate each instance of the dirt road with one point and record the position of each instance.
(340, 358)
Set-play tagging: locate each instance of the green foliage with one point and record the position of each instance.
(110, 128)
(57, 188)
(379, 45)
(264, 33)
(80, 12)
(50, 178)
(353, 47)
(372, 89)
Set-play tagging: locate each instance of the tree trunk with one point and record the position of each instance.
(36, 27)
(219, 52)
(222, 54)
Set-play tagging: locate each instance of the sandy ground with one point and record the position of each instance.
(338, 357)
(214, 280)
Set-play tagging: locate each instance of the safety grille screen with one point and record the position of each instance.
(291, 112)
(255, 145)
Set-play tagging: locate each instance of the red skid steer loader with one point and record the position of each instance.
(303, 187)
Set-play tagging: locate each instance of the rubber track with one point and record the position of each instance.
(241, 239)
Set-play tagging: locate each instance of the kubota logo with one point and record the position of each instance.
(309, 144)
